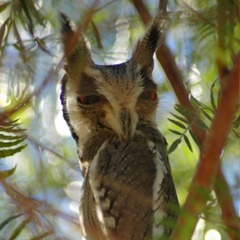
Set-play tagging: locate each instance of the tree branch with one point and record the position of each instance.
(222, 20)
(143, 11)
(210, 157)
(174, 75)
(163, 6)
(229, 216)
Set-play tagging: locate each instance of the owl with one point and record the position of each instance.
(128, 192)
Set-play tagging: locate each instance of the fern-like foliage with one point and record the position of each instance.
(202, 118)
(11, 142)
(186, 118)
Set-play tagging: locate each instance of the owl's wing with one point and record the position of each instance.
(121, 179)
(126, 180)
(165, 201)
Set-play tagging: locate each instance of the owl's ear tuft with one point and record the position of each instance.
(67, 26)
(76, 46)
(146, 47)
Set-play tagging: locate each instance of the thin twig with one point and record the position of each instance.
(31, 206)
(199, 15)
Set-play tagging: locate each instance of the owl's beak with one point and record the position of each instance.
(128, 123)
(123, 121)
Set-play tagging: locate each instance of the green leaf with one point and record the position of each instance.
(236, 122)
(3, 29)
(188, 143)
(30, 7)
(199, 123)
(10, 152)
(174, 145)
(10, 137)
(180, 118)
(212, 96)
(7, 173)
(197, 102)
(176, 132)
(195, 138)
(19, 229)
(3, 6)
(8, 220)
(185, 111)
(11, 129)
(43, 236)
(97, 35)
(207, 115)
(179, 124)
(19, 42)
(11, 143)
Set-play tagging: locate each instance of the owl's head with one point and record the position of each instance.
(117, 98)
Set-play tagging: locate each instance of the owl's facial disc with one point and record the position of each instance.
(122, 94)
(119, 103)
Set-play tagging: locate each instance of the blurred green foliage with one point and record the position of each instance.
(41, 182)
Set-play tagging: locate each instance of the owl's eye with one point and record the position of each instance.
(87, 100)
(149, 95)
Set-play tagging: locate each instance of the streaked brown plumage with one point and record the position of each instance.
(128, 191)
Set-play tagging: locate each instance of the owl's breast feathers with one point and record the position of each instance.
(128, 191)
(127, 188)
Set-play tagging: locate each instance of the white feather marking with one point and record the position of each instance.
(95, 183)
(110, 222)
(101, 192)
(80, 125)
(94, 178)
(161, 170)
(105, 205)
(121, 89)
(81, 215)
